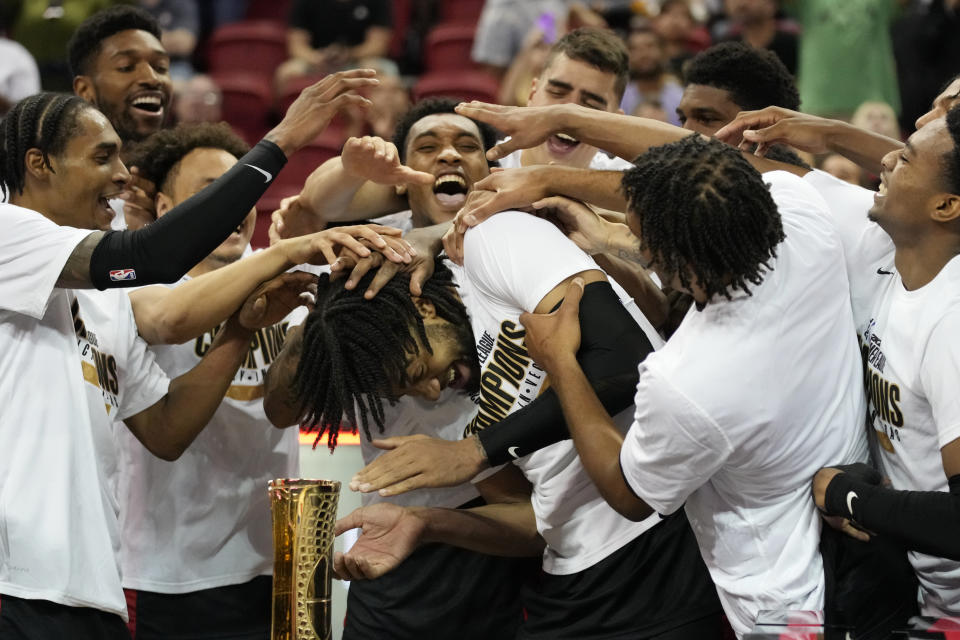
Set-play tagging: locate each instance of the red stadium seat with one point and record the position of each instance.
(254, 47)
(247, 102)
(461, 11)
(447, 47)
(466, 85)
(274, 10)
(402, 13)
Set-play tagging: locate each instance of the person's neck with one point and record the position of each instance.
(918, 263)
(759, 33)
(38, 203)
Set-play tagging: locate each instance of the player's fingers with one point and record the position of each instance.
(412, 176)
(353, 520)
(359, 270)
(339, 570)
(420, 275)
(502, 149)
(412, 483)
(384, 275)
(352, 566)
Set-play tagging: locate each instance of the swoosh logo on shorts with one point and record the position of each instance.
(513, 451)
(850, 496)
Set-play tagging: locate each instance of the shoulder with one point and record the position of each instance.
(601, 161)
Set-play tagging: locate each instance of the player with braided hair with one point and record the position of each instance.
(676, 194)
(332, 388)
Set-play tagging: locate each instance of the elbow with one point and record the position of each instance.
(278, 413)
(172, 327)
(166, 451)
(634, 512)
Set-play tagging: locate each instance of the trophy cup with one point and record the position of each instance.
(304, 512)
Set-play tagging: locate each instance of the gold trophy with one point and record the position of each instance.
(304, 512)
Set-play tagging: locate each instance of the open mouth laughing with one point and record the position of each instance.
(450, 189)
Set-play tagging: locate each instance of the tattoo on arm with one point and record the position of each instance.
(631, 253)
(76, 271)
(280, 377)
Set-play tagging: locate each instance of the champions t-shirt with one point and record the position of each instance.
(203, 520)
(511, 261)
(911, 355)
(57, 521)
(745, 403)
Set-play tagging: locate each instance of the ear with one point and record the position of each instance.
(163, 203)
(947, 208)
(35, 166)
(533, 89)
(83, 87)
(425, 307)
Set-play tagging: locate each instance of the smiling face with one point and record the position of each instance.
(452, 363)
(86, 175)
(913, 189)
(450, 147)
(195, 171)
(129, 81)
(941, 104)
(570, 81)
(706, 109)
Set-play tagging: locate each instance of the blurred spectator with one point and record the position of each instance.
(19, 76)
(44, 27)
(841, 168)
(877, 117)
(680, 33)
(846, 54)
(330, 35)
(226, 11)
(504, 25)
(755, 22)
(197, 100)
(650, 82)
(654, 111)
(390, 101)
(527, 65)
(927, 50)
(180, 24)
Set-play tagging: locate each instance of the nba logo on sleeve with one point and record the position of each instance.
(123, 274)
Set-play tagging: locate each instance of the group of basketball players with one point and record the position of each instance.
(639, 383)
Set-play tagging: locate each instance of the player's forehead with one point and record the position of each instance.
(705, 97)
(129, 43)
(930, 141)
(949, 96)
(578, 74)
(445, 125)
(93, 129)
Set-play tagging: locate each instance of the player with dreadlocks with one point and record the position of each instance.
(412, 347)
(332, 387)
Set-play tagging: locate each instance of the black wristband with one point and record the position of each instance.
(166, 249)
(611, 347)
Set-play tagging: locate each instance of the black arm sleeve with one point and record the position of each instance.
(611, 347)
(924, 521)
(175, 243)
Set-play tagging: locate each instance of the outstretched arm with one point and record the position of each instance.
(776, 125)
(173, 316)
(168, 248)
(358, 185)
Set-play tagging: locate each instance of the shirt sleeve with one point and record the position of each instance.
(144, 383)
(517, 259)
(939, 375)
(33, 251)
(672, 447)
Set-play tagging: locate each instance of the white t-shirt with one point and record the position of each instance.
(58, 521)
(503, 276)
(203, 520)
(912, 359)
(600, 162)
(747, 400)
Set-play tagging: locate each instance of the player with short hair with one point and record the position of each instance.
(195, 545)
(60, 166)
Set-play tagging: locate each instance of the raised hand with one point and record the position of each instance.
(776, 125)
(293, 219)
(316, 105)
(322, 247)
(390, 534)
(273, 300)
(139, 206)
(375, 159)
(578, 222)
(414, 462)
(526, 126)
